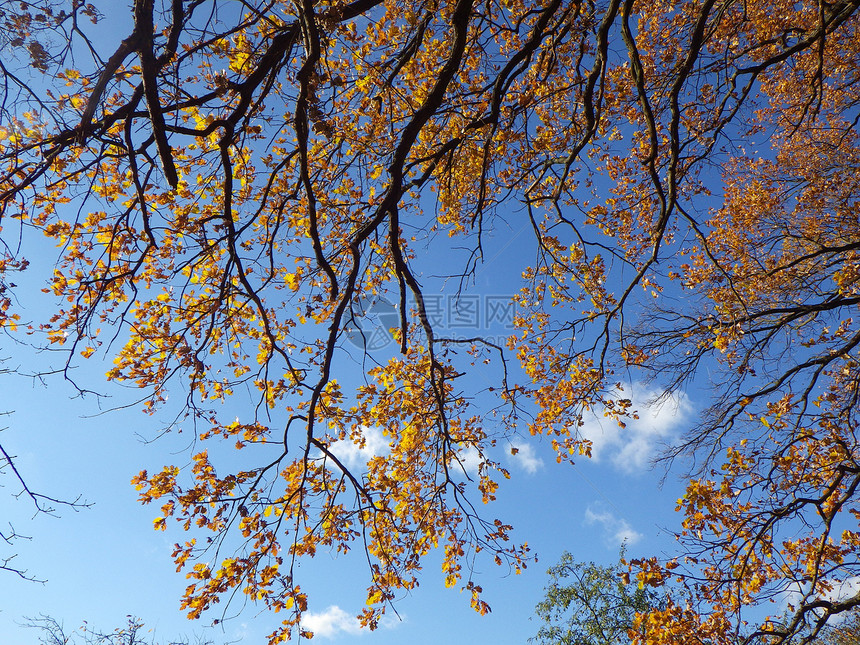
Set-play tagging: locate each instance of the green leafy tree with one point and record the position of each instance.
(590, 604)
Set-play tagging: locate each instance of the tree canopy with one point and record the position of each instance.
(229, 184)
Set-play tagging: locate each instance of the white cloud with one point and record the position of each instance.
(632, 448)
(355, 457)
(616, 529)
(334, 621)
(842, 590)
(525, 457)
(468, 459)
(330, 623)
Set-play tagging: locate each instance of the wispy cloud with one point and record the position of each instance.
(523, 455)
(355, 457)
(241, 632)
(615, 529)
(632, 448)
(330, 623)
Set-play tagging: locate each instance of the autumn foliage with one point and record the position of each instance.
(231, 181)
